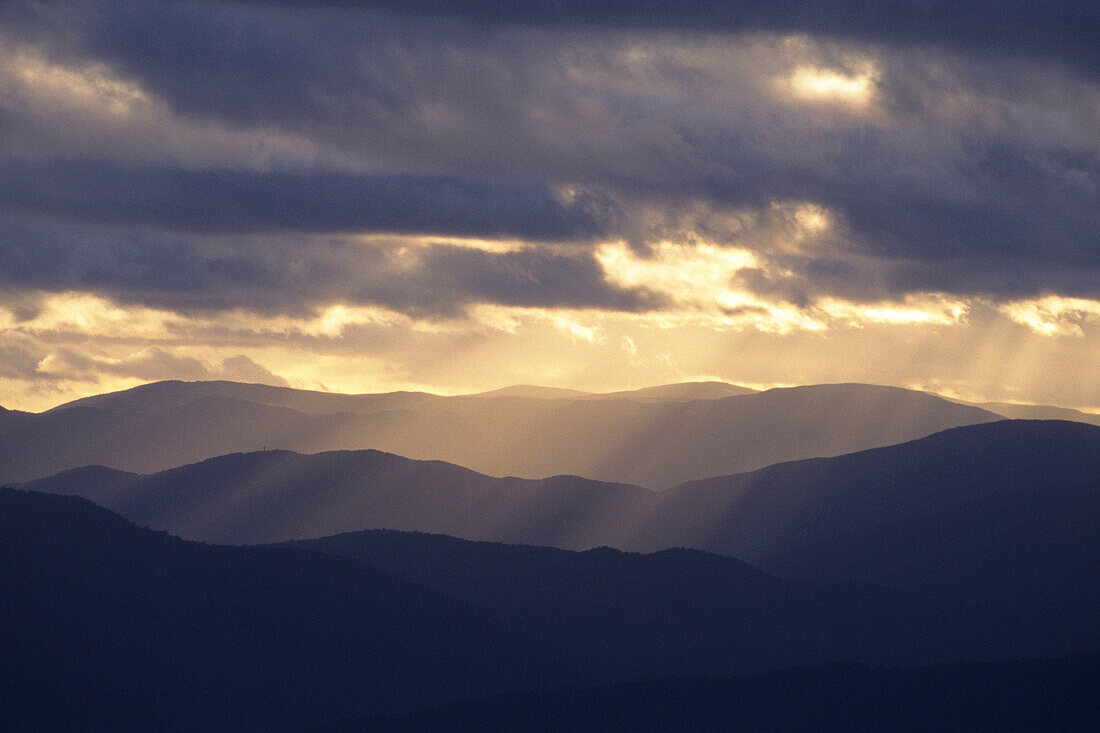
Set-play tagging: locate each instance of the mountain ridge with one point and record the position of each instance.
(280, 495)
(653, 443)
(106, 625)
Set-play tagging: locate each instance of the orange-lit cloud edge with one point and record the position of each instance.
(970, 348)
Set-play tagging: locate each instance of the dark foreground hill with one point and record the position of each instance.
(1007, 577)
(1023, 564)
(1019, 695)
(104, 625)
(654, 438)
(275, 495)
(673, 612)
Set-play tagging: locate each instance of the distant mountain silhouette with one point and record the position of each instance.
(682, 392)
(649, 437)
(1018, 695)
(276, 495)
(107, 626)
(536, 392)
(160, 397)
(1038, 412)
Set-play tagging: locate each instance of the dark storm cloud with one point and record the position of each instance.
(296, 275)
(528, 277)
(223, 200)
(1012, 222)
(228, 60)
(1062, 30)
(998, 219)
(134, 266)
(483, 109)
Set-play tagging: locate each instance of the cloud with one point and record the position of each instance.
(240, 368)
(16, 362)
(1062, 30)
(228, 200)
(399, 168)
(960, 175)
(296, 275)
(152, 364)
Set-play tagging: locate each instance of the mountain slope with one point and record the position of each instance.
(105, 625)
(1028, 560)
(621, 439)
(278, 495)
(672, 612)
(275, 495)
(1010, 575)
(535, 392)
(765, 512)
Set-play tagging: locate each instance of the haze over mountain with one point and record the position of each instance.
(682, 392)
(1037, 412)
(486, 224)
(159, 396)
(764, 512)
(276, 495)
(656, 440)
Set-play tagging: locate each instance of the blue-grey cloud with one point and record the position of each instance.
(227, 200)
(1063, 30)
(294, 275)
(481, 111)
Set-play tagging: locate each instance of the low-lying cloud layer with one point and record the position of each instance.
(480, 173)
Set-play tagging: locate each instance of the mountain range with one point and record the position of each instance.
(108, 625)
(358, 589)
(272, 496)
(655, 438)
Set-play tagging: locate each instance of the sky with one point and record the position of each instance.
(454, 197)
